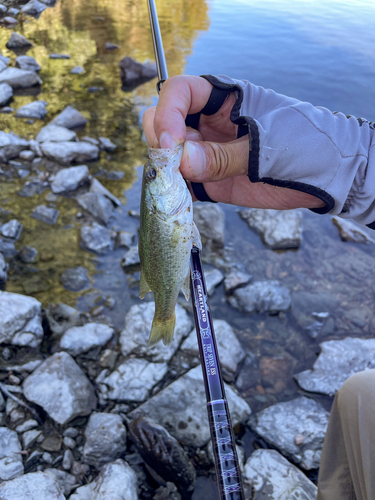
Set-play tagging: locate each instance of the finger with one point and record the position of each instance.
(148, 127)
(192, 134)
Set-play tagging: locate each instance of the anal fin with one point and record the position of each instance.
(143, 286)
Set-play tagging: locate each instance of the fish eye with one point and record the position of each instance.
(151, 174)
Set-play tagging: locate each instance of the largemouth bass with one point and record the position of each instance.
(167, 234)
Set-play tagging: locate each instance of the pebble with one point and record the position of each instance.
(10, 459)
(28, 255)
(111, 46)
(77, 70)
(3, 270)
(82, 338)
(10, 21)
(6, 109)
(33, 8)
(106, 144)
(7, 248)
(36, 109)
(69, 152)
(51, 443)
(17, 41)
(11, 145)
(11, 229)
(6, 93)
(45, 214)
(27, 155)
(261, 296)
(32, 486)
(27, 63)
(32, 188)
(12, 11)
(29, 437)
(67, 460)
(47, 457)
(69, 442)
(71, 432)
(70, 118)
(27, 425)
(210, 221)
(59, 56)
(55, 133)
(75, 279)
(96, 238)
(97, 205)
(70, 179)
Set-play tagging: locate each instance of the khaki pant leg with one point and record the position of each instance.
(348, 457)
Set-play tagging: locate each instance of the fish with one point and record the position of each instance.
(167, 235)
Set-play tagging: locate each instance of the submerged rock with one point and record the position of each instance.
(59, 56)
(97, 187)
(3, 270)
(28, 255)
(11, 145)
(68, 152)
(77, 70)
(10, 455)
(106, 144)
(75, 279)
(61, 388)
(19, 78)
(33, 8)
(70, 118)
(36, 109)
(17, 41)
(261, 296)
(70, 179)
(55, 133)
(80, 339)
(6, 93)
(338, 360)
(96, 238)
(134, 73)
(27, 63)
(210, 221)
(281, 423)
(11, 229)
(97, 205)
(33, 486)
(45, 214)
(249, 373)
(234, 279)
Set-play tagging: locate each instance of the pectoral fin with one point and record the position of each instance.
(185, 288)
(143, 286)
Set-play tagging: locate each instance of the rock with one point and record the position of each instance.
(70, 118)
(130, 262)
(163, 453)
(261, 296)
(33, 8)
(27, 63)
(29, 366)
(3, 64)
(75, 279)
(33, 486)
(6, 93)
(133, 380)
(11, 145)
(69, 442)
(29, 437)
(97, 205)
(80, 339)
(19, 78)
(106, 144)
(213, 278)
(209, 219)
(7, 248)
(36, 109)
(269, 476)
(275, 372)
(11, 229)
(350, 231)
(59, 56)
(134, 73)
(167, 492)
(105, 439)
(116, 481)
(338, 360)
(234, 279)
(20, 320)
(27, 155)
(68, 152)
(26, 426)
(111, 46)
(66, 481)
(51, 443)
(186, 418)
(32, 188)
(91, 140)
(97, 187)
(55, 133)
(12, 11)
(125, 239)
(96, 238)
(67, 460)
(10, 21)
(70, 179)
(45, 214)
(10, 459)
(3, 9)
(61, 388)
(3, 270)
(61, 317)
(230, 351)
(134, 337)
(281, 423)
(77, 70)
(17, 41)
(278, 228)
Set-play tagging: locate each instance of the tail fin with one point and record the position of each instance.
(162, 330)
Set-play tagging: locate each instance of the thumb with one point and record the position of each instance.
(213, 161)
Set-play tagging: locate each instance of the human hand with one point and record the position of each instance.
(213, 155)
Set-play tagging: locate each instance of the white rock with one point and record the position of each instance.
(77, 70)
(63, 479)
(261, 296)
(97, 205)
(106, 144)
(11, 229)
(82, 338)
(55, 133)
(33, 8)
(70, 118)
(70, 179)
(29, 437)
(10, 458)
(131, 261)
(97, 238)
(26, 426)
(213, 278)
(97, 187)
(28, 63)
(350, 231)
(209, 219)
(67, 152)
(6, 93)
(27, 155)
(33, 486)
(11, 145)
(36, 110)
(234, 279)
(19, 78)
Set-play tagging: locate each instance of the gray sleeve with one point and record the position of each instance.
(308, 148)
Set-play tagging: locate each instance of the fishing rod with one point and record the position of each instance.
(223, 442)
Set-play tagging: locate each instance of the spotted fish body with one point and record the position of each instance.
(167, 234)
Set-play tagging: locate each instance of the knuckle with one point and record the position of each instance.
(219, 161)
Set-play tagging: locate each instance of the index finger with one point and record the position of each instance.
(179, 96)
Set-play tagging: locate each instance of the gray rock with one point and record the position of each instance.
(96, 238)
(77, 70)
(33, 486)
(27, 155)
(350, 231)
(133, 380)
(27, 425)
(20, 320)
(130, 262)
(134, 337)
(116, 481)
(3, 64)
(66, 481)
(3, 9)
(55, 133)
(97, 187)
(45, 214)
(97, 205)
(209, 219)
(61, 317)
(82, 338)
(75, 279)
(11, 145)
(111, 46)
(10, 21)
(11, 229)
(3, 270)
(69, 442)
(125, 239)
(249, 373)
(29, 366)
(68, 152)
(10, 459)
(59, 56)
(61, 388)
(234, 279)
(36, 109)
(28, 254)
(261, 296)
(7, 248)
(70, 118)
(12, 11)
(106, 144)
(68, 460)
(32, 188)
(186, 418)
(105, 439)
(17, 41)
(281, 423)
(33, 8)
(91, 140)
(70, 179)
(269, 476)
(35, 148)
(278, 228)
(19, 78)
(6, 93)
(338, 360)
(27, 63)
(29, 437)
(133, 72)
(213, 278)
(230, 350)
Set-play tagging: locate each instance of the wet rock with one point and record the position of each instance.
(3, 9)
(77, 70)
(96, 238)
(45, 214)
(234, 279)
(70, 118)
(133, 380)
(134, 337)
(11, 145)
(167, 492)
(350, 231)
(105, 439)
(106, 144)
(125, 239)
(75, 279)
(97, 205)
(163, 453)
(209, 219)
(186, 418)
(19, 78)
(261, 296)
(278, 228)
(3, 270)
(68, 152)
(230, 351)
(33, 486)
(10, 459)
(33, 8)
(269, 476)
(130, 262)
(59, 56)
(70, 179)
(134, 73)
(36, 109)
(17, 41)
(27, 155)
(20, 320)
(6, 110)
(116, 481)
(61, 388)
(281, 423)
(80, 339)
(11, 229)
(6, 93)
(213, 278)
(55, 133)
(275, 372)
(32, 188)
(111, 46)
(66, 481)
(97, 187)
(27, 63)
(7, 247)
(61, 317)
(338, 360)
(10, 21)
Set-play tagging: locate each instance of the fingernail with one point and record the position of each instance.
(196, 158)
(167, 141)
(193, 135)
